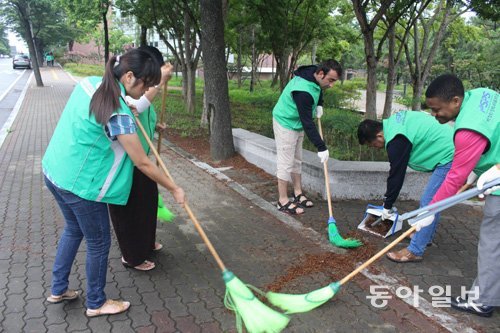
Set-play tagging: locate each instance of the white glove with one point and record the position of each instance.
(387, 213)
(323, 155)
(141, 104)
(423, 222)
(319, 111)
(490, 174)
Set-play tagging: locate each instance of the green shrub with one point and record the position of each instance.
(84, 70)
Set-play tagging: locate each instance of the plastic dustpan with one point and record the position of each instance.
(373, 224)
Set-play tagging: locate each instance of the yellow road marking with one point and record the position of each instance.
(54, 74)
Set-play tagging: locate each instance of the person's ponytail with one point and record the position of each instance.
(106, 98)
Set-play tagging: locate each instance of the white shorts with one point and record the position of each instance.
(289, 151)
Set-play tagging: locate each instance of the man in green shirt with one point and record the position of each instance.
(300, 101)
(412, 139)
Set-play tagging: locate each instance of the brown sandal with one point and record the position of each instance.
(403, 256)
(110, 307)
(145, 266)
(67, 296)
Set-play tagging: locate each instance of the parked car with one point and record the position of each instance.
(21, 60)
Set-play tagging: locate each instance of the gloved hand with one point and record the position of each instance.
(490, 174)
(323, 155)
(423, 222)
(319, 111)
(471, 178)
(388, 213)
(141, 104)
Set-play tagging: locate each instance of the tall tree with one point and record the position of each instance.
(427, 37)
(369, 13)
(290, 27)
(4, 41)
(88, 14)
(216, 85)
(397, 36)
(179, 19)
(20, 17)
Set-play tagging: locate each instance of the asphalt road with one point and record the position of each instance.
(11, 86)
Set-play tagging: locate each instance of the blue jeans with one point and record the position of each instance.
(87, 219)
(420, 240)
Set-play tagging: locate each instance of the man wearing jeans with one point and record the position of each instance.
(412, 139)
(300, 101)
(476, 114)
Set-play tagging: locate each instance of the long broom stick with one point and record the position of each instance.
(306, 302)
(163, 213)
(333, 232)
(256, 316)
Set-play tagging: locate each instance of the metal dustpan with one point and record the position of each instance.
(372, 222)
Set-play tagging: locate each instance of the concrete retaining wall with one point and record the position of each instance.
(348, 179)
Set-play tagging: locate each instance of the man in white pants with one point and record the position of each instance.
(293, 114)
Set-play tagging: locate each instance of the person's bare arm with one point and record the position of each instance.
(132, 145)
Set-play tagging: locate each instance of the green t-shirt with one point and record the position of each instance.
(432, 143)
(480, 112)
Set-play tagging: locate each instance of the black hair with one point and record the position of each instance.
(328, 65)
(154, 52)
(368, 130)
(445, 87)
(106, 98)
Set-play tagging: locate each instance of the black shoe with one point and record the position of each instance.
(462, 304)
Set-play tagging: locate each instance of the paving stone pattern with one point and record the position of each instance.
(185, 292)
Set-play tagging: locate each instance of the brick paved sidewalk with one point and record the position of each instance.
(185, 292)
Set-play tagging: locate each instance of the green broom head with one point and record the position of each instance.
(337, 240)
(163, 213)
(256, 316)
(303, 302)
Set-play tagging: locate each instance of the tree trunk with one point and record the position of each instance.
(216, 84)
(254, 62)
(391, 75)
(282, 69)
(143, 41)
(23, 12)
(371, 85)
(313, 52)
(191, 88)
(238, 59)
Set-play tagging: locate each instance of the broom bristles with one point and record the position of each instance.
(163, 213)
(303, 302)
(337, 240)
(257, 317)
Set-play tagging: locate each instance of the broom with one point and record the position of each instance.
(163, 213)
(306, 302)
(333, 232)
(256, 316)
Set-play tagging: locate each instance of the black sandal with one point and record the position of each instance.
(287, 209)
(303, 203)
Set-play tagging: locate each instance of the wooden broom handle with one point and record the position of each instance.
(327, 178)
(162, 117)
(378, 255)
(186, 206)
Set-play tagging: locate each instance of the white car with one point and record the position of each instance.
(21, 60)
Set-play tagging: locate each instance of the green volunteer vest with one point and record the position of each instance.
(480, 112)
(285, 111)
(432, 143)
(80, 157)
(148, 120)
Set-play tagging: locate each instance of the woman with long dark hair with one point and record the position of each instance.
(135, 223)
(89, 164)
